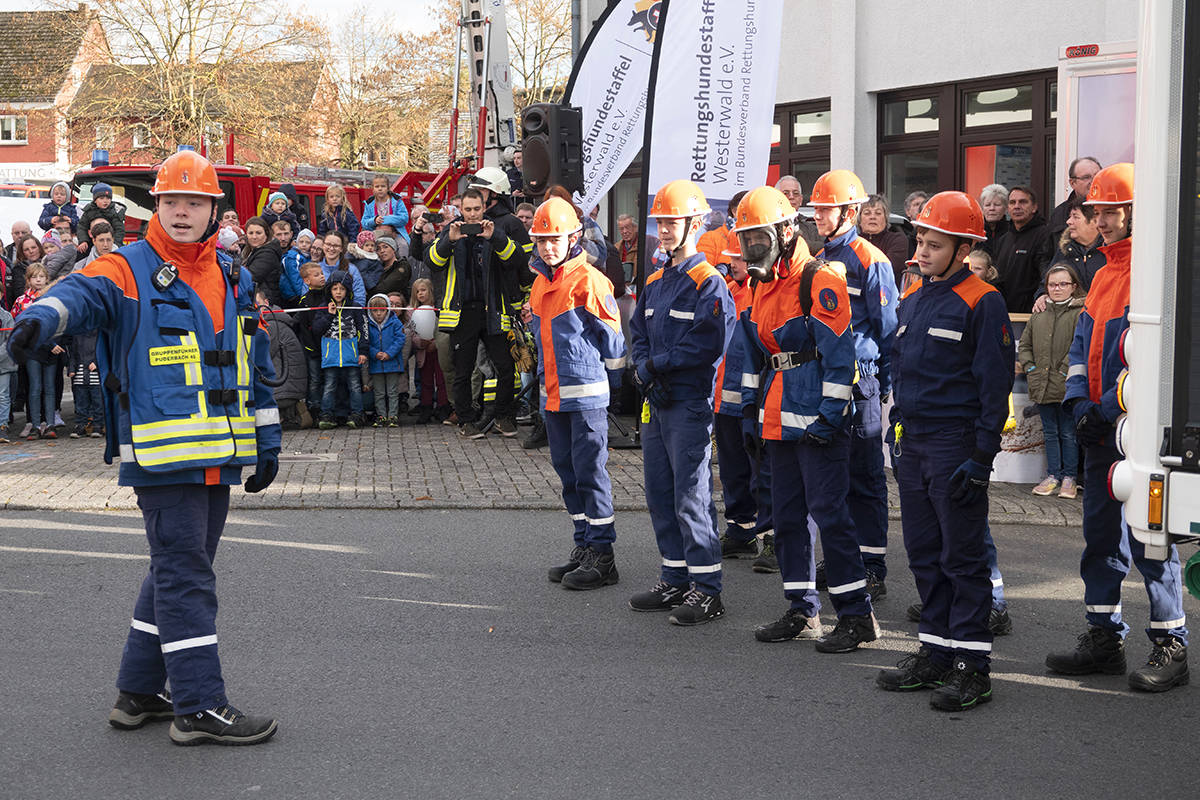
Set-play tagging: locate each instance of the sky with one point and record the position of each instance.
(409, 14)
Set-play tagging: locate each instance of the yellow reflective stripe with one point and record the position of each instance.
(450, 284)
(448, 320)
(184, 452)
(191, 370)
(528, 248)
(437, 258)
(174, 429)
(507, 252)
(243, 354)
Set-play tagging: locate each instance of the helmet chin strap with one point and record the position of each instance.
(687, 233)
(958, 241)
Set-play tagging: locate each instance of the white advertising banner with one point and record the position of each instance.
(714, 98)
(610, 84)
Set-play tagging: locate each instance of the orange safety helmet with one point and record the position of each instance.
(841, 187)
(1112, 186)
(954, 214)
(678, 199)
(763, 207)
(187, 172)
(555, 217)
(733, 248)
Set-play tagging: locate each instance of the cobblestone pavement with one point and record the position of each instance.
(414, 466)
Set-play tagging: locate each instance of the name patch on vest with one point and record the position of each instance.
(177, 354)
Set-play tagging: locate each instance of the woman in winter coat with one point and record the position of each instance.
(263, 257)
(1043, 352)
(873, 225)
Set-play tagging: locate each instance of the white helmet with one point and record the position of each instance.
(492, 178)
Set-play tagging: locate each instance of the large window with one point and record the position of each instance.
(967, 135)
(14, 130)
(800, 146)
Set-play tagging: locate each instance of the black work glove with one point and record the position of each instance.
(643, 376)
(659, 393)
(750, 436)
(23, 337)
(1092, 427)
(969, 483)
(264, 473)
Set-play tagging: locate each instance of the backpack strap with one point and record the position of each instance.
(811, 267)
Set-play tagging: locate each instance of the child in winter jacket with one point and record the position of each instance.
(291, 287)
(85, 385)
(314, 297)
(101, 207)
(337, 215)
(1043, 352)
(386, 335)
(385, 208)
(276, 210)
(42, 366)
(343, 335)
(426, 354)
(367, 262)
(59, 208)
(7, 368)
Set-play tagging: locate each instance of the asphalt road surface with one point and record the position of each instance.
(425, 655)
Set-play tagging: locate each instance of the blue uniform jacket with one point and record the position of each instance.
(577, 328)
(387, 336)
(953, 360)
(728, 397)
(813, 396)
(170, 384)
(871, 283)
(682, 325)
(1094, 360)
(395, 214)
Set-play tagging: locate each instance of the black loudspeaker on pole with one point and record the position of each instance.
(552, 147)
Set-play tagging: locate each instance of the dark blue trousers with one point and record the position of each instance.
(174, 630)
(739, 479)
(867, 497)
(579, 453)
(946, 545)
(817, 483)
(677, 459)
(1108, 550)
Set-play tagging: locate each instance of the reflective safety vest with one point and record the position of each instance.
(185, 394)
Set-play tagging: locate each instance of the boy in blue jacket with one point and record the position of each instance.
(59, 208)
(343, 334)
(385, 335)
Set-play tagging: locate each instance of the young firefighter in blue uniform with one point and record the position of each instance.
(1095, 364)
(581, 351)
(952, 367)
(182, 354)
(836, 197)
(680, 329)
(747, 501)
(797, 372)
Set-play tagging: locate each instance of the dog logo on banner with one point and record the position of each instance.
(645, 17)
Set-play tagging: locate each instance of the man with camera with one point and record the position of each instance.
(475, 278)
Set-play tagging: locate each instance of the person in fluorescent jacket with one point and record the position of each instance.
(1093, 374)
(837, 198)
(186, 367)
(798, 369)
(581, 350)
(681, 328)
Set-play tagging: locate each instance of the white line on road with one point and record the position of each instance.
(21, 591)
(84, 553)
(51, 525)
(401, 574)
(431, 603)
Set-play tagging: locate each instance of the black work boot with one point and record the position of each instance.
(225, 725)
(736, 548)
(963, 687)
(1166, 669)
(792, 625)
(914, 612)
(822, 579)
(132, 711)
(537, 437)
(876, 588)
(663, 597)
(1000, 622)
(766, 561)
(850, 632)
(595, 569)
(1099, 650)
(556, 573)
(697, 608)
(917, 671)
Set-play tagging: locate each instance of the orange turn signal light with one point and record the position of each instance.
(1154, 511)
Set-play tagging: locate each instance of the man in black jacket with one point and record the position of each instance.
(475, 284)
(1022, 254)
(495, 187)
(1079, 176)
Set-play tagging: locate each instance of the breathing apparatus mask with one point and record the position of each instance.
(763, 247)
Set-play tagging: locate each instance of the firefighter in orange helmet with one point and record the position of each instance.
(680, 330)
(798, 371)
